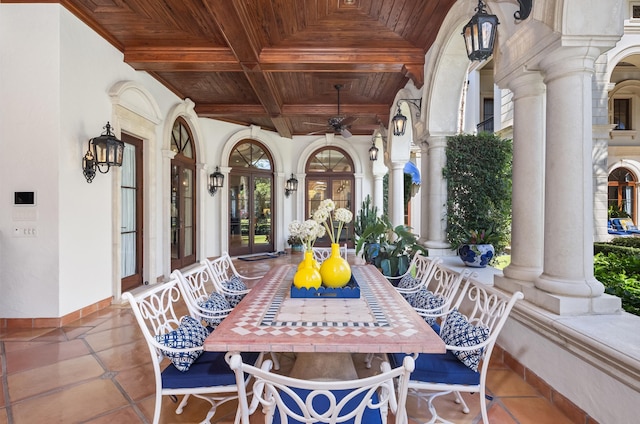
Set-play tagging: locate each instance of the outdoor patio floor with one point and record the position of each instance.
(96, 370)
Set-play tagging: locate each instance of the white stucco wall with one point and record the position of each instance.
(56, 81)
(30, 132)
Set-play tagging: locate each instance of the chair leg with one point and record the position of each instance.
(483, 405)
(435, 418)
(182, 404)
(275, 360)
(368, 359)
(460, 400)
(158, 408)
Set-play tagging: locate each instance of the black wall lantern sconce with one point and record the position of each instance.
(103, 152)
(399, 121)
(216, 181)
(373, 151)
(480, 32)
(290, 186)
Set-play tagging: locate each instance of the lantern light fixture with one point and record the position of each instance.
(216, 181)
(400, 121)
(480, 32)
(103, 152)
(373, 150)
(291, 186)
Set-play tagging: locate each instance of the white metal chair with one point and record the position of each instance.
(417, 275)
(469, 339)
(434, 296)
(199, 284)
(205, 375)
(198, 290)
(321, 254)
(291, 400)
(224, 272)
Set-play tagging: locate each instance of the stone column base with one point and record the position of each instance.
(561, 305)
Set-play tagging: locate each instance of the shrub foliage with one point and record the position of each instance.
(478, 174)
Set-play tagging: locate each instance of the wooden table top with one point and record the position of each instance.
(269, 320)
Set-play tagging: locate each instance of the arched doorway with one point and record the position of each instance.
(183, 196)
(250, 199)
(621, 189)
(330, 176)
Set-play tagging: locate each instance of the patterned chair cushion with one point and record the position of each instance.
(190, 333)
(457, 331)
(235, 284)
(425, 299)
(408, 282)
(215, 303)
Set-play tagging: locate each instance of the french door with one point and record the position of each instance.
(250, 213)
(183, 200)
(131, 214)
(330, 176)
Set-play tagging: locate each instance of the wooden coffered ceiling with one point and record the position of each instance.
(275, 63)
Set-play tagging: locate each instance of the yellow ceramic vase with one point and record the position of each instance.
(335, 271)
(307, 276)
(316, 265)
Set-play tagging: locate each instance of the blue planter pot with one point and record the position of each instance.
(476, 255)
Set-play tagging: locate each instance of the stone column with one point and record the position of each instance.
(378, 192)
(568, 210)
(527, 241)
(434, 197)
(396, 193)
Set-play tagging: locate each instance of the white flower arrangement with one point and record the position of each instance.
(327, 213)
(308, 231)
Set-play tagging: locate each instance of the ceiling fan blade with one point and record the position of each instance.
(314, 123)
(318, 132)
(345, 133)
(348, 120)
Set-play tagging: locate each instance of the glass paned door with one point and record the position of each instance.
(340, 190)
(239, 213)
(182, 216)
(250, 210)
(131, 215)
(262, 229)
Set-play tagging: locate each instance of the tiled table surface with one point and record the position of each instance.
(269, 320)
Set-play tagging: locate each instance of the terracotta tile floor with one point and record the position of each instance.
(96, 371)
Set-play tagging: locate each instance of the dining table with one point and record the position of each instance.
(321, 328)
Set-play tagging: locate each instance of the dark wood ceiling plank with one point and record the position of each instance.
(274, 63)
(337, 55)
(213, 59)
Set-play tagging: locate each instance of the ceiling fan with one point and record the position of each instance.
(338, 124)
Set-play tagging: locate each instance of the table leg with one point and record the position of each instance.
(324, 366)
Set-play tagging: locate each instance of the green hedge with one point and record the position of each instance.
(617, 266)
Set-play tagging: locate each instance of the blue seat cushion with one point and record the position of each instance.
(439, 368)
(321, 404)
(210, 369)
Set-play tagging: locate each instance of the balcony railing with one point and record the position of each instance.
(486, 125)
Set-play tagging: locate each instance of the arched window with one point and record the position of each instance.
(622, 184)
(330, 176)
(183, 196)
(250, 199)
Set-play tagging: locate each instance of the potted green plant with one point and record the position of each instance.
(479, 249)
(295, 242)
(389, 248)
(478, 174)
